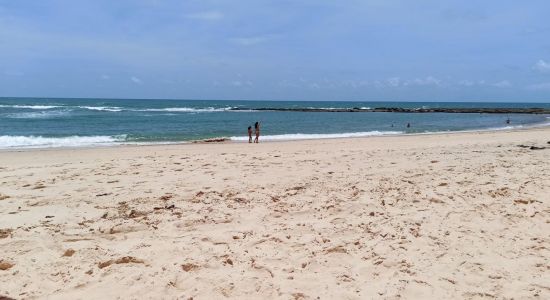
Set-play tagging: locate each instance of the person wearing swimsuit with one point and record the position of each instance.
(257, 131)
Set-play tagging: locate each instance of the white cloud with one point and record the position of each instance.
(502, 84)
(394, 81)
(239, 83)
(469, 83)
(430, 80)
(542, 66)
(286, 83)
(206, 15)
(545, 86)
(314, 86)
(466, 83)
(136, 80)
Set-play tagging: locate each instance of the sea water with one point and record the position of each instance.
(37, 123)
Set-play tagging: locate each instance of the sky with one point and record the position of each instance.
(370, 50)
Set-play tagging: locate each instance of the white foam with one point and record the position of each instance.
(185, 109)
(31, 106)
(314, 136)
(102, 108)
(37, 115)
(10, 141)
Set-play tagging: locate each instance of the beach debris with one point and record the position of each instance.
(171, 206)
(69, 253)
(240, 200)
(298, 296)
(136, 213)
(48, 217)
(189, 267)
(104, 194)
(531, 147)
(213, 140)
(3, 197)
(337, 249)
(523, 201)
(166, 197)
(4, 265)
(4, 233)
(435, 200)
(6, 298)
(122, 260)
(39, 186)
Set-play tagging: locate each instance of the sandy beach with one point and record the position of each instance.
(463, 215)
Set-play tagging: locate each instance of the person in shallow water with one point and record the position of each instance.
(257, 131)
(408, 125)
(250, 134)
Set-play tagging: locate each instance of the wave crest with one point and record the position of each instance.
(38, 115)
(10, 141)
(102, 108)
(184, 109)
(31, 106)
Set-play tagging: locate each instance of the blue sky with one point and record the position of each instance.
(424, 50)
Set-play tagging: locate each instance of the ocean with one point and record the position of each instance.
(54, 122)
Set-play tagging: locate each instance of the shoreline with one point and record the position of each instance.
(545, 124)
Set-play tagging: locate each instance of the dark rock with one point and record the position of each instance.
(533, 110)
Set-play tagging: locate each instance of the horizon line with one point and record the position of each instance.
(264, 100)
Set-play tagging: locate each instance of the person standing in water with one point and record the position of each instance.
(249, 134)
(257, 131)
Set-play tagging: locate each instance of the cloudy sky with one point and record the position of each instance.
(401, 50)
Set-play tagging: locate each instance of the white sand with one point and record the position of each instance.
(438, 216)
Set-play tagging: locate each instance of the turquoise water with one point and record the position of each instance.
(30, 122)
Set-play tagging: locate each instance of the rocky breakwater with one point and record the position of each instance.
(534, 110)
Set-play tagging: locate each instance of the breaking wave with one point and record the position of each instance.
(10, 141)
(31, 106)
(37, 115)
(184, 109)
(102, 108)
